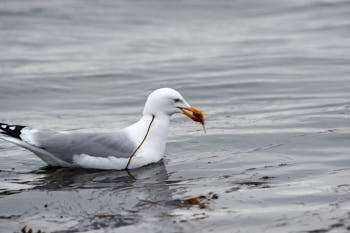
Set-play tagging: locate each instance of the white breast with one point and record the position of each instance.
(153, 148)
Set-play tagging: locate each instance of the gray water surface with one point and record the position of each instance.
(274, 76)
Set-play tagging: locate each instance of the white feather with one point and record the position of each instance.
(42, 154)
(27, 135)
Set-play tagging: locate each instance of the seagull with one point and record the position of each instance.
(137, 145)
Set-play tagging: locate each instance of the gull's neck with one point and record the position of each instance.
(154, 145)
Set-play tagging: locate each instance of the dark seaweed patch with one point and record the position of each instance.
(267, 177)
(201, 201)
(339, 224)
(252, 183)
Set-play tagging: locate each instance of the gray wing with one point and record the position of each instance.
(99, 144)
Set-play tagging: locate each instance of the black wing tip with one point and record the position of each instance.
(11, 130)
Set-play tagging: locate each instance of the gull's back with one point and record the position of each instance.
(64, 145)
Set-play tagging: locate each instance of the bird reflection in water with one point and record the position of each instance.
(75, 178)
(98, 198)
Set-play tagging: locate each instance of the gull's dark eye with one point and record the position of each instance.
(177, 100)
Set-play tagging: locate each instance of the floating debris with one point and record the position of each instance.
(30, 230)
(198, 201)
(201, 201)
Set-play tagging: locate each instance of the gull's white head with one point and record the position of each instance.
(169, 101)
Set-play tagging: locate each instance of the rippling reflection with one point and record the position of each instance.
(94, 198)
(71, 178)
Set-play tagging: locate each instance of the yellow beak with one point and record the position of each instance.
(196, 115)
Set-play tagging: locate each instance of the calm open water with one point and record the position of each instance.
(273, 75)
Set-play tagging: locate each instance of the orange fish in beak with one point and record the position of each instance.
(196, 115)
